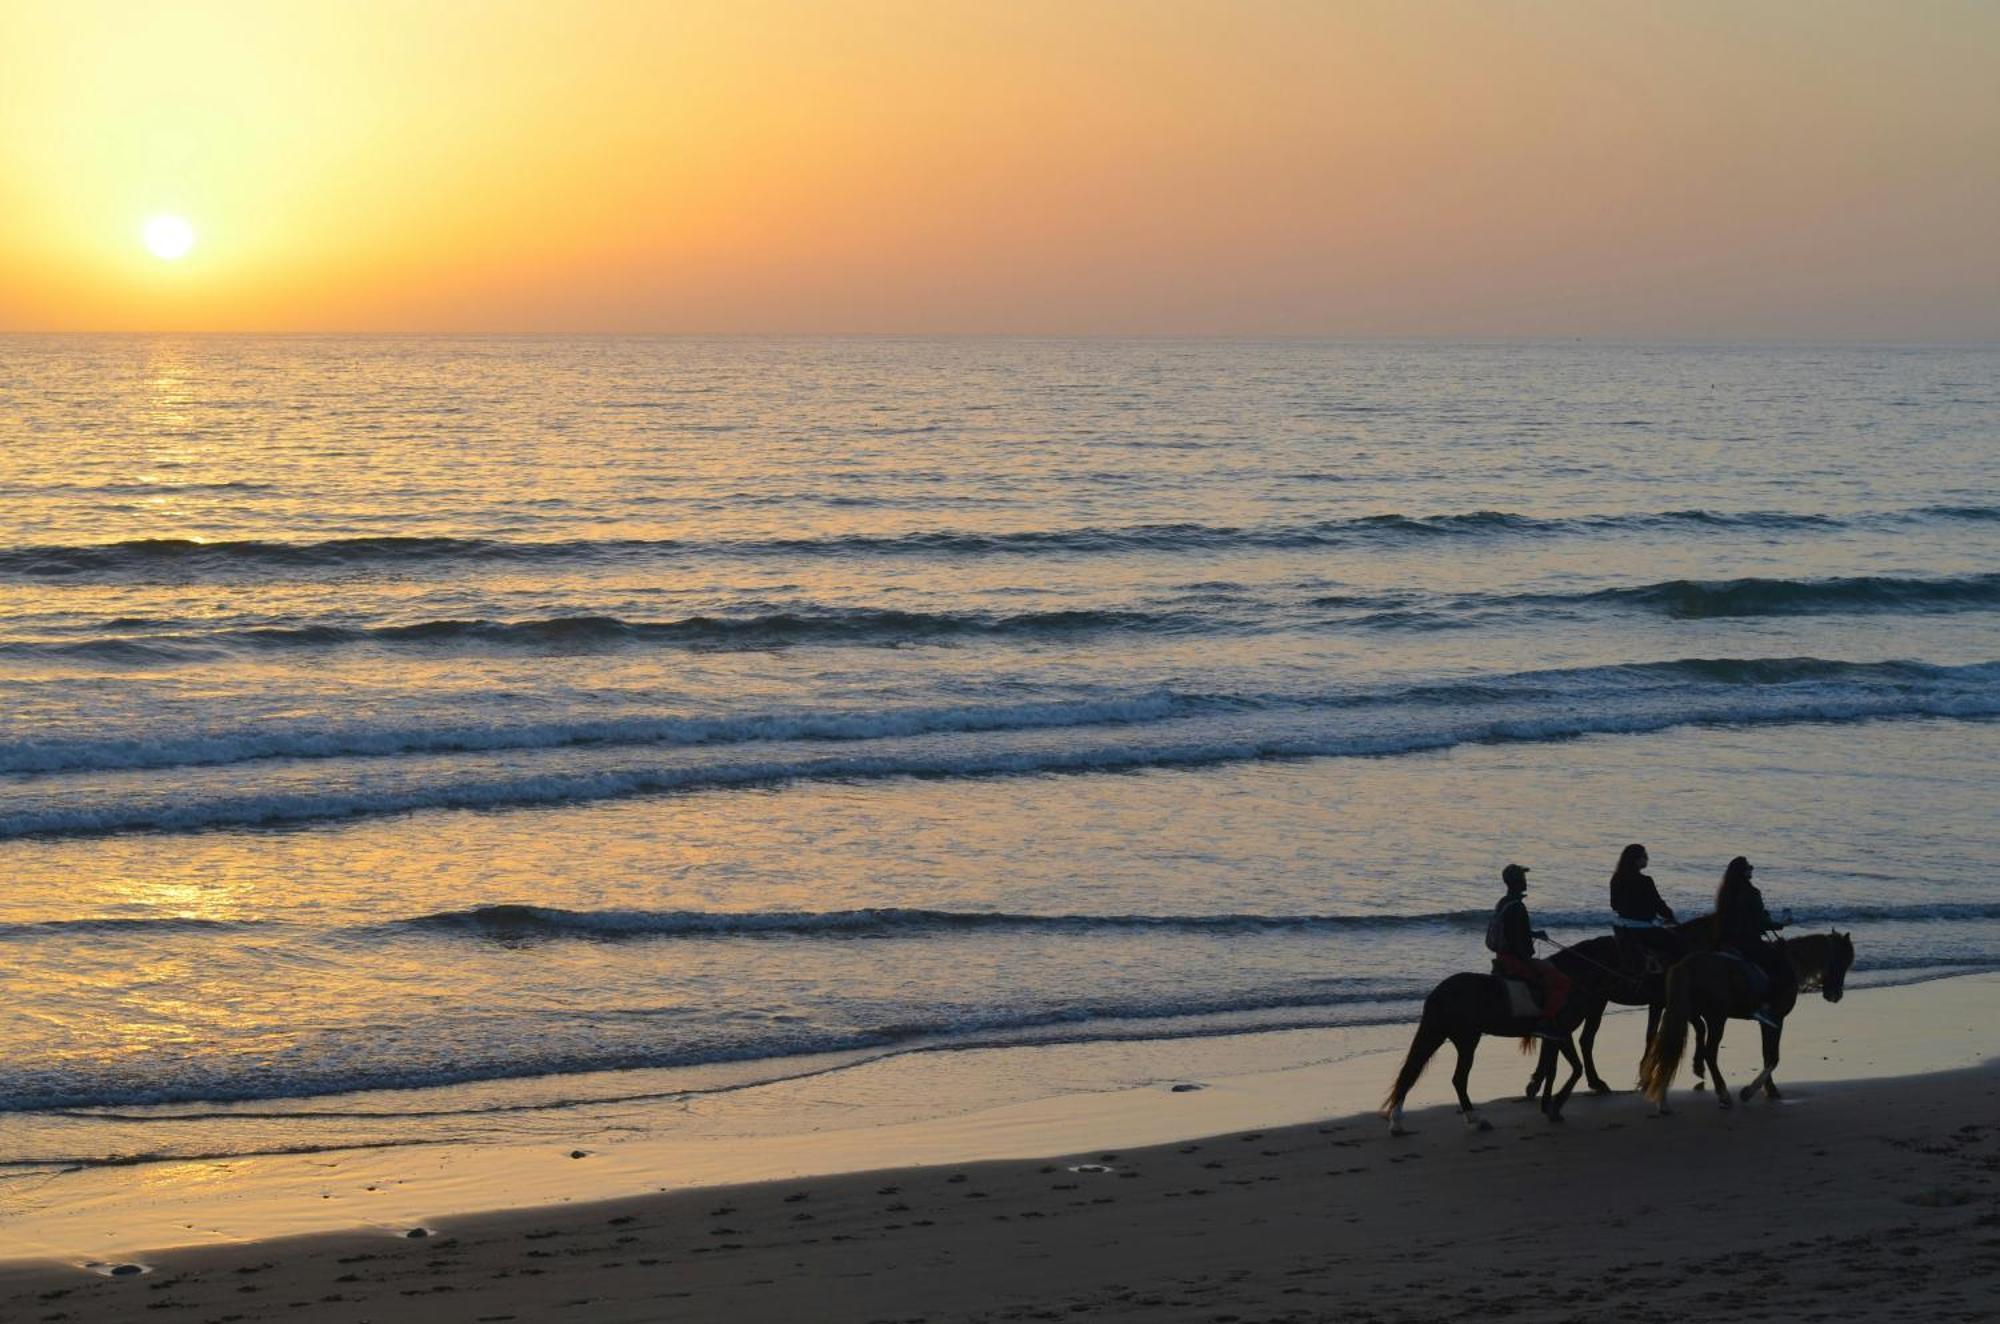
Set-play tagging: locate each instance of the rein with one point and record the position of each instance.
(1620, 975)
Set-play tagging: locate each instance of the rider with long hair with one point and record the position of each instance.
(1511, 936)
(1741, 922)
(1640, 917)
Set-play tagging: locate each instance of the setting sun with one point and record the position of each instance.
(169, 237)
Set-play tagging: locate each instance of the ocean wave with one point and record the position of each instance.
(947, 1029)
(1692, 599)
(1199, 610)
(183, 557)
(881, 626)
(794, 1052)
(1143, 732)
(113, 925)
(831, 725)
(1948, 689)
(1282, 736)
(515, 920)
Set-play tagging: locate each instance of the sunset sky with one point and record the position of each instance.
(1824, 168)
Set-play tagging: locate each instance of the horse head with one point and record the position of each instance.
(1840, 958)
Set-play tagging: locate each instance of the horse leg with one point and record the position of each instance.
(1715, 1029)
(1590, 1024)
(1700, 1054)
(1429, 1038)
(1467, 1043)
(1552, 1109)
(1763, 1078)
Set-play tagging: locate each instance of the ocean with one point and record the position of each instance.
(406, 738)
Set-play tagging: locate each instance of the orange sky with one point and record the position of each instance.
(1825, 168)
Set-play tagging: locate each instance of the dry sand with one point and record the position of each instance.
(1876, 1199)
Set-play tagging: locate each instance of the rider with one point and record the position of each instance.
(1511, 935)
(1740, 924)
(1639, 917)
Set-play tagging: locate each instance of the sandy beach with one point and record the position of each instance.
(1875, 1198)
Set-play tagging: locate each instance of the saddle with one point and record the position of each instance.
(1637, 958)
(1760, 981)
(1521, 999)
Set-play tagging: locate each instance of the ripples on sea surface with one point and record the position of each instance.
(496, 713)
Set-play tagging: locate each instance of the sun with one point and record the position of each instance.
(169, 237)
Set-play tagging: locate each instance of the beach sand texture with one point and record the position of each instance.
(1872, 1201)
(1852, 1199)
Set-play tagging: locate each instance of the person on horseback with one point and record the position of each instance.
(1740, 924)
(1511, 935)
(1639, 917)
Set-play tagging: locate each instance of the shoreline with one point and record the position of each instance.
(1264, 1080)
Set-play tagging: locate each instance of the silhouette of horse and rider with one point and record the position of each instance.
(1695, 974)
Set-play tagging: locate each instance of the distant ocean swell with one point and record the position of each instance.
(1881, 688)
(184, 557)
(1380, 730)
(1681, 599)
(511, 920)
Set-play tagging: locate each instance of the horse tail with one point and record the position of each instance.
(1663, 1056)
(1429, 1038)
(1528, 1044)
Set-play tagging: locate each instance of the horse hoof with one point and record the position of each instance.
(1722, 1097)
(1701, 1084)
(1485, 1125)
(1555, 1119)
(1599, 1087)
(1745, 1094)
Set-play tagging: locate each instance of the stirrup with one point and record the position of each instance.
(1548, 1032)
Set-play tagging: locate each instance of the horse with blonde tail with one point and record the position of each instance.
(1709, 988)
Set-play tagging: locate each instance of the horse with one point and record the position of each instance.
(1627, 989)
(1709, 988)
(1466, 1006)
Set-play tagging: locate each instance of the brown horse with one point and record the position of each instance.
(1467, 1006)
(1709, 988)
(1618, 983)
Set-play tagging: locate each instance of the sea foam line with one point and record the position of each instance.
(1277, 735)
(1911, 680)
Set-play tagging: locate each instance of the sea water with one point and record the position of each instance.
(401, 736)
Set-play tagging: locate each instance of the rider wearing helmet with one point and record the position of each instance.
(1740, 924)
(1511, 936)
(1639, 917)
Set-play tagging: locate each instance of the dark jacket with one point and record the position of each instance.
(1740, 918)
(1517, 937)
(1634, 896)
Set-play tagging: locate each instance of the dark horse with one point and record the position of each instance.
(1619, 983)
(1709, 988)
(1466, 1006)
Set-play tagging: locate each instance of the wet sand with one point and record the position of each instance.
(1851, 1199)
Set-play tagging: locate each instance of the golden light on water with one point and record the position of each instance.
(168, 237)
